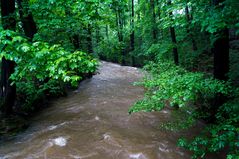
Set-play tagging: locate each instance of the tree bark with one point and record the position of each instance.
(220, 52)
(8, 91)
(132, 27)
(175, 49)
(75, 41)
(89, 39)
(189, 31)
(120, 34)
(173, 38)
(107, 32)
(221, 55)
(132, 35)
(28, 23)
(154, 27)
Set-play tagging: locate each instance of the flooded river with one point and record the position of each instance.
(93, 123)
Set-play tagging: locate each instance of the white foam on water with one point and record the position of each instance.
(106, 136)
(137, 156)
(53, 127)
(163, 148)
(97, 118)
(83, 156)
(60, 141)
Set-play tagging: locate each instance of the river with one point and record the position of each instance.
(93, 123)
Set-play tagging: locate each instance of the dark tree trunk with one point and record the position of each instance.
(173, 38)
(97, 35)
(154, 27)
(120, 34)
(120, 27)
(175, 49)
(139, 11)
(8, 14)
(221, 55)
(8, 91)
(132, 27)
(221, 68)
(75, 41)
(189, 31)
(28, 23)
(132, 35)
(220, 52)
(159, 31)
(89, 39)
(107, 32)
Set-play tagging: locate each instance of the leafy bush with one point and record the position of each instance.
(42, 68)
(221, 135)
(167, 83)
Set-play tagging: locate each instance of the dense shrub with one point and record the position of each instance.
(167, 83)
(42, 68)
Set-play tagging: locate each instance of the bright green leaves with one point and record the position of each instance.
(42, 66)
(172, 84)
(166, 83)
(220, 136)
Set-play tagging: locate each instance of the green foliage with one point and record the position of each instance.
(181, 119)
(169, 83)
(41, 67)
(44, 67)
(219, 136)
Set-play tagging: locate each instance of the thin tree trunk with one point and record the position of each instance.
(132, 27)
(173, 38)
(154, 26)
(8, 91)
(107, 32)
(97, 35)
(28, 23)
(189, 31)
(75, 41)
(139, 11)
(120, 20)
(175, 49)
(132, 35)
(89, 39)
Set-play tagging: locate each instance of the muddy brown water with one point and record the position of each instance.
(93, 123)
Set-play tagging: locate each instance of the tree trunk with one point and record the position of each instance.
(8, 91)
(220, 51)
(107, 32)
(97, 35)
(132, 40)
(132, 27)
(173, 38)
(221, 55)
(75, 41)
(175, 49)
(139, 11)
(89, 39)
(189, 31)
(154, 26)
(120, 36)
(28, 23)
